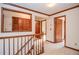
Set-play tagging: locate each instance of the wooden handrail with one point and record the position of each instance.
(29, 43)
(18, 36)
(15, 36)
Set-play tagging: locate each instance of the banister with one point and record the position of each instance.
(30, 42)
(15, 36)
(19, 36)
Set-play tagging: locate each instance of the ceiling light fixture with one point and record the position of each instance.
(51, 4)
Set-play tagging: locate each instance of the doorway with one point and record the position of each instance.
(38, 29)
(60, 29)
(41, 27)
(44, 29)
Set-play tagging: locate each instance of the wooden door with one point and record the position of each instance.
(38, 29)
(58, 30)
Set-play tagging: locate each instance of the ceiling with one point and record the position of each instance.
(42, 7)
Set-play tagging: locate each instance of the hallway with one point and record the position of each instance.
(25, 27)
(58, 49)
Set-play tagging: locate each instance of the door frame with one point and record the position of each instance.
(40, 28)
(45, 26)
(64, 29)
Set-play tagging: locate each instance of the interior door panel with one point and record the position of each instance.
(58, 30)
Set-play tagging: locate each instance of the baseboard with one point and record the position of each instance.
(72, 48)
(50, 41)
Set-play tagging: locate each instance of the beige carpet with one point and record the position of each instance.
(58, 49)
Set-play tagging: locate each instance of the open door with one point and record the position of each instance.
(38, 29)
(58, 30)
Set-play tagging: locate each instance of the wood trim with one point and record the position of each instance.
(19, 36)
(2, 20)
(65, 31)
(41, 12)
(16, 11)
(43, 20)
(50, 41)
(60, 16)
(41, 26)
(65, 10)
(16, 36)
(25, 8)
(64, 28)
(72, 48)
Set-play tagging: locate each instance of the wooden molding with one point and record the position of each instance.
(16, 36)
(26, 8)
(50, 41)
(65, 10)
(72, 48)
(16, 11)
(2, 20)
(41, 12)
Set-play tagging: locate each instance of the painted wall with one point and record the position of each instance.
(50, 31)
(72, 29)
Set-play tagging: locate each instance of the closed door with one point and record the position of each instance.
(58, 30)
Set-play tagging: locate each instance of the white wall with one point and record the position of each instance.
(50, 31)
(72, 29)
